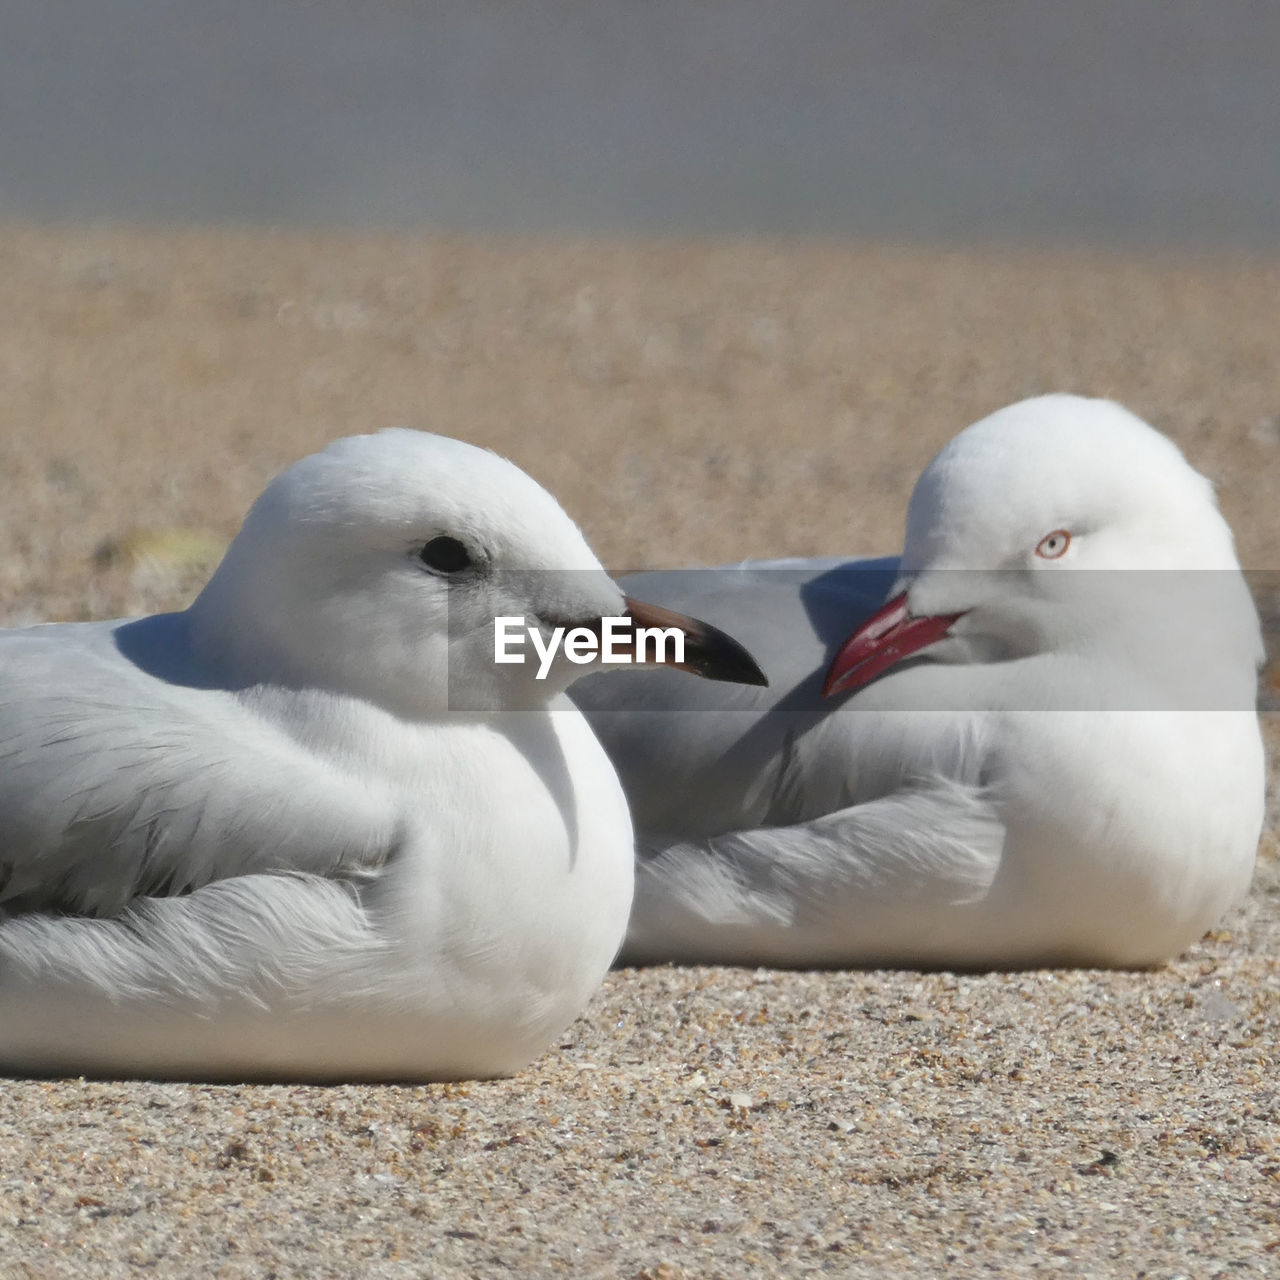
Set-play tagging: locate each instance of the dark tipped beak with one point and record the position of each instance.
(708, 651)
(885, 639)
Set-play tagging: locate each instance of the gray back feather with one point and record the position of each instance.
(115, 784)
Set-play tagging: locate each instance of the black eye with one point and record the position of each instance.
(445, 555)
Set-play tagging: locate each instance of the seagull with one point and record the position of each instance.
(1031, 739)
(309, 829)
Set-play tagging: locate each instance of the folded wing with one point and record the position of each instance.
(697, 759)
(116, 785)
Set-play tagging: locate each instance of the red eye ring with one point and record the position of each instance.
(1053, 545)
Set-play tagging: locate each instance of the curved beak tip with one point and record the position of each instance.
(885, 639)
(721, 657)
(708, 652)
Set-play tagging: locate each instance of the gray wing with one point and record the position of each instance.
(907, 878)
(674, 740)
(116, 782)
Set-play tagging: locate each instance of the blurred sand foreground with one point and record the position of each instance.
(687, 403)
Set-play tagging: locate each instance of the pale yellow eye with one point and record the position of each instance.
(1054, 544)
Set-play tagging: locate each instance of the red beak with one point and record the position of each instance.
(885, 639)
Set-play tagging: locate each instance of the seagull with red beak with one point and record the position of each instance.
(1030, 739)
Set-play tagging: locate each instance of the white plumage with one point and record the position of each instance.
(1052, 754)
(307, 828)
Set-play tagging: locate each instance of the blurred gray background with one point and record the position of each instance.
(1127, 121)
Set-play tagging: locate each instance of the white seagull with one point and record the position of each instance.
(308, 829)
(1042, 750)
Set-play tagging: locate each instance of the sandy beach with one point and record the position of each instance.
(688, 402)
